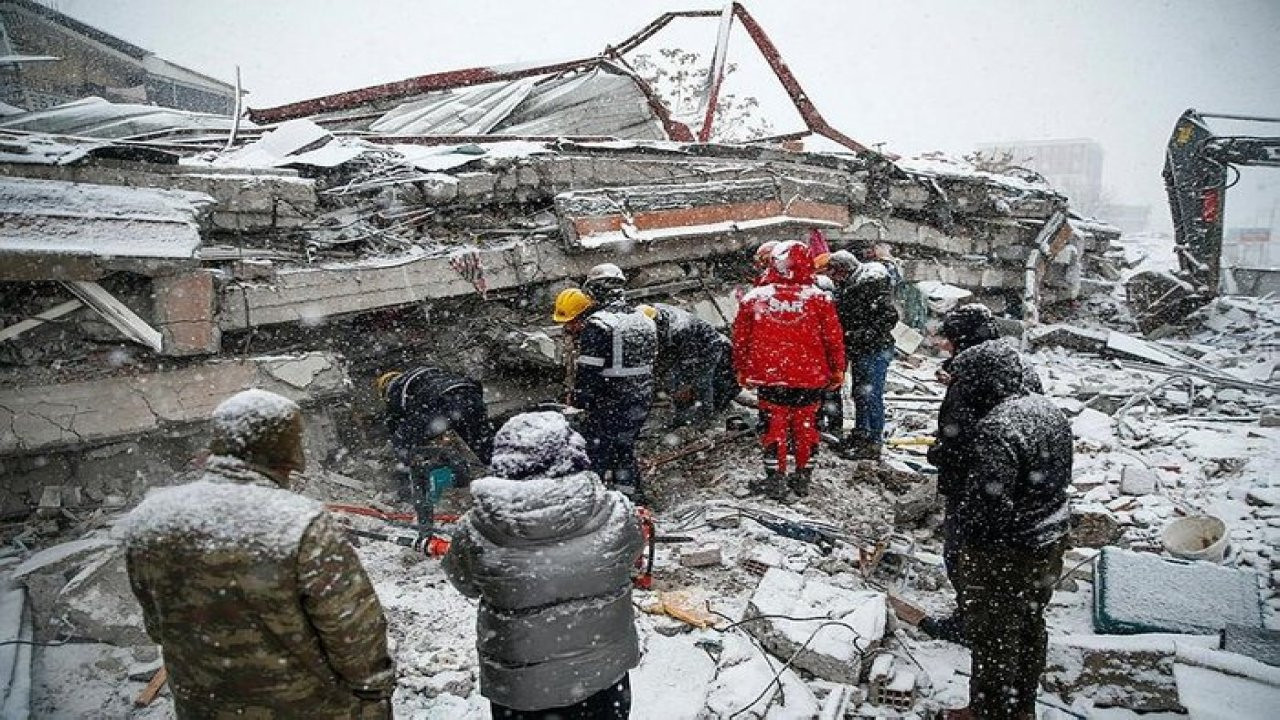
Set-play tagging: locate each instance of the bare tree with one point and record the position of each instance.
(679, 77)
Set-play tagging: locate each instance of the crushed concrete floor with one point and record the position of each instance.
(1152, 445)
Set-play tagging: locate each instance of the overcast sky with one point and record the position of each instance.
(915, 76)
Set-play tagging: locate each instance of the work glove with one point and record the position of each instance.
(837, 381)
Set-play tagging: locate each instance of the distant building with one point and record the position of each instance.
(1129, 218)
(1073, 167)
(48, 58)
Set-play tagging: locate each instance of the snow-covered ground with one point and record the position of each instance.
(1204, 442)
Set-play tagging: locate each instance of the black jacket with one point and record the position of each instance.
(616, 353)
(1004, 454)
(684, 339)
(864, 304)
(425, 402)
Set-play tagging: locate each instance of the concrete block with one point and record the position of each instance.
(98, 603)
(1135, 480)
(704, 556)
(833, 652)
(476, 185)
(1269, 417)
(1133, 672)
(917, 503)
(1067, 336)
(184, 313)
(1093, 526)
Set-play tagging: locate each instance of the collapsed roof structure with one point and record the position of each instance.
(430, 218)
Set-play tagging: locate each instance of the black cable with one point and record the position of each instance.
(36, 643)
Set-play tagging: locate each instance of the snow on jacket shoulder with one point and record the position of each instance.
(1015, 490)
(550, 556)
(787, 335)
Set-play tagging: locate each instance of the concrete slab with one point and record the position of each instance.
(831, 650)
(1142, 592)
(1132, 671)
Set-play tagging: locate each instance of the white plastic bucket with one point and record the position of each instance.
(1199, 537)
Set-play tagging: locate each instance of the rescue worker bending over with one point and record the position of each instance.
(613, 381)
(694, 364)
(440, 432)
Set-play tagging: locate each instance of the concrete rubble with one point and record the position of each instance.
(323, 249)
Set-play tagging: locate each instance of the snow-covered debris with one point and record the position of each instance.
(833, 630)
(1217, 685)
(1132, 671)
(1141, 592)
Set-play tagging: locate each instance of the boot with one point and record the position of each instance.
(773, 485)
(799, 481)
(868, 451)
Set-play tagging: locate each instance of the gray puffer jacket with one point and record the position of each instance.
(549, 553)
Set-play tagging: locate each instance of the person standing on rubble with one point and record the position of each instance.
(613, 376)
(864, 303)
(787, 345)
(694, 364)
(1007, 516)
(259, 602)
(440, 432)
(548, 551)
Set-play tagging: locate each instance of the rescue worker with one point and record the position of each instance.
(612, 381)
(259, 602)
(440, 432)
(1007, 517)
(605, 283)
(867, 314)
(694, 363)
(787, 345)
(548, 551)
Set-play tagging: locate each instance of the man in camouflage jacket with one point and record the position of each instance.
(261, 605)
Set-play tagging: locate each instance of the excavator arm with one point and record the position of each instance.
(1200, 167)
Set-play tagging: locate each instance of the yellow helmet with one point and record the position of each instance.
(384, 380)
(569, 304)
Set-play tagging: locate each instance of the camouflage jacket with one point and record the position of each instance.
(259, 601)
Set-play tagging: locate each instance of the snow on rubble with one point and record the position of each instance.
(1154, 443)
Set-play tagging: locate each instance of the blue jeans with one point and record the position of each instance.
(868, 372)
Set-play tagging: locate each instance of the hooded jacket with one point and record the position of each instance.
(549, 553)
(259, 601)
(864, 304)
(786, 333)
(1006, 470)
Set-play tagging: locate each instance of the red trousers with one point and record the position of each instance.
(790, 426)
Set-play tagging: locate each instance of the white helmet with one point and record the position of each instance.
(606, 271)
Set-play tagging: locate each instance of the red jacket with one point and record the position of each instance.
(786, 333)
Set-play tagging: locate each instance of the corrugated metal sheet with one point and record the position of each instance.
(98, 118)
(599, 102)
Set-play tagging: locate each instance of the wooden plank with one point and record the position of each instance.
(52, 313)
(116, 313)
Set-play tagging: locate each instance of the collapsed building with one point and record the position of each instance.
(154, 261)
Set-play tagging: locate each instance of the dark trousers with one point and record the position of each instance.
(951, 627)
(611, 432)
(1006, 591)
(611, 703)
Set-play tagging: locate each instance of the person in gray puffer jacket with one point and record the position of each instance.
(548, 550)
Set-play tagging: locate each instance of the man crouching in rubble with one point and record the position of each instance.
(259, 602)
(549, 553)
(1006, 484)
